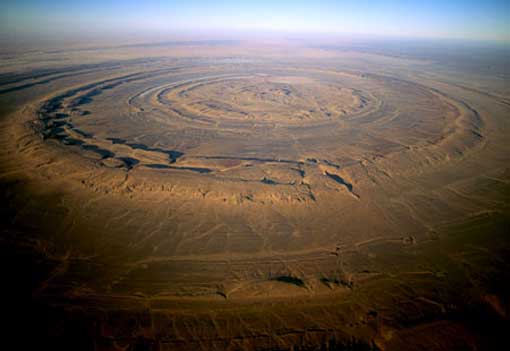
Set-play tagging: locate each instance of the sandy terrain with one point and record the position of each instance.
(237, 196)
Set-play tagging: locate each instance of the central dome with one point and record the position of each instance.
(264, 98)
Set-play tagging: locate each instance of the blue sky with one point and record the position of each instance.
(459, 19)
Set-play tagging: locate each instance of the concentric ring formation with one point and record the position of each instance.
(214, 203)
(218, 122)
(206, 150)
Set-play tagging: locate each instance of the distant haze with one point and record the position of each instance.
(456, 19)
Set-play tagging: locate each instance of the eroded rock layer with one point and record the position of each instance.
(234, 203)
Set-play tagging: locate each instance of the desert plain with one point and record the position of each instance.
(231, 195)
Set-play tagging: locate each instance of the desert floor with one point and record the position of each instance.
(227, 195)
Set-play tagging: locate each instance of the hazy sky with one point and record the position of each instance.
(470, 19)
